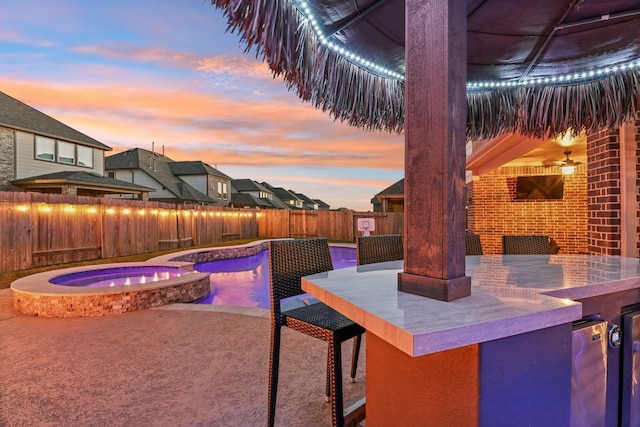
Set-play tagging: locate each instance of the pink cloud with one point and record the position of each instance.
(214, 129)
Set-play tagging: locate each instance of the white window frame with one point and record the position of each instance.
(45, 147)
(84, 154)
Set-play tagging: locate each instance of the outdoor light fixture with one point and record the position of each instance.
(568, 166)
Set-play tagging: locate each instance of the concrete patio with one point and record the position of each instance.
(182, 365)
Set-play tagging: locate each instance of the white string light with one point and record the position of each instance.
(570, 78)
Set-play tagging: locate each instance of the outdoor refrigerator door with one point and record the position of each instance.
(630, 397)
(589, 374)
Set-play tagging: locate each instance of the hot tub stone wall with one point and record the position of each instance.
(105, 304)
(222, 253)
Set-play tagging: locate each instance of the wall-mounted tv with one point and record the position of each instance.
(544, 187)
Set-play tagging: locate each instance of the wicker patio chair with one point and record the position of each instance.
(371, 249)
(289, 261)
(473, 246)
(526, 245)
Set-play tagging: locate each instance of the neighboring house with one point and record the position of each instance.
(307, 203)
(322, 206)
(191, 182)
(391, 199)
(41, 154)
(251, 194)
(288, 198)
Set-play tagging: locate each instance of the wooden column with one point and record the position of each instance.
(435, 138)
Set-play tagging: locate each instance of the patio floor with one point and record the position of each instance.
(177, 366)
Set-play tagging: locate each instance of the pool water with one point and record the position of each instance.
(116, 276)
(245, 281)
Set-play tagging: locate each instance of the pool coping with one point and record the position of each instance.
(36, 295)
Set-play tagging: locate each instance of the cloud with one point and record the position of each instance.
(213, 128)
(13, 37)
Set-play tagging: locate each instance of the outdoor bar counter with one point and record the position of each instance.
(502, 356)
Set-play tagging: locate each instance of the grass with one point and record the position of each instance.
(7, 278)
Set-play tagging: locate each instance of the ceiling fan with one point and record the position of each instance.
(568, 166)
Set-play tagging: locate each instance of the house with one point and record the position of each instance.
(307, 203)
(322, 206)
(391, 199)
(189, 182)
(41, 154)
(287, 197)
(251, 194)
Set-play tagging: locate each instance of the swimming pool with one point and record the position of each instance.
(244, 281)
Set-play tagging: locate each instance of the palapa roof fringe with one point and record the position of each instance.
(549, 111)
(360, 98)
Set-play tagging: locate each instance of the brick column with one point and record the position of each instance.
(603, 192)
(614, 191)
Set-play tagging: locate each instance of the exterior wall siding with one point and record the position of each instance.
(493, 211)
(27, 165)
(141, 178)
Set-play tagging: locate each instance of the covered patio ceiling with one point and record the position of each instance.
(539, 69)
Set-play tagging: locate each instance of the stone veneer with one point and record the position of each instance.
(216, 254)
(7, 159)
(36, 296)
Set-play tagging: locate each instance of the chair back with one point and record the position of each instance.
(526, 245)
(372, 249)
(473, 246)
(289, 261)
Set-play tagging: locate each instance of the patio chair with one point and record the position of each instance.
(473, 246)
(289, 261)
(371, 249)
(526, 245)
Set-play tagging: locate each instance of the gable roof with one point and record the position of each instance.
(322, 204)
(17, 115)
(157, 166)
(395, 189)
(195, 167)
(246, 199)
(246, 185)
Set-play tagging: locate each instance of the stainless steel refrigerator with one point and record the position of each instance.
(589, 373)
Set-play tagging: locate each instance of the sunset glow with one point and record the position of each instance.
(130, 74)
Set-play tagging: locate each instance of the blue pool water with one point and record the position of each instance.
(245, 281)
(115, 276)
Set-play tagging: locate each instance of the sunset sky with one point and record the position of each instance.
(129, 73)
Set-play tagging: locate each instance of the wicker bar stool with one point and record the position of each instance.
(372, 249)
(526, 245)
(289, 261)
(473, 246)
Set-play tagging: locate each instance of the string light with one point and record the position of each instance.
(303, 7)
(570, 78)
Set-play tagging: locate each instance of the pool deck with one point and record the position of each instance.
(179, 365)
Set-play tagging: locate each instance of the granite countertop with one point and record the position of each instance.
(510, 295)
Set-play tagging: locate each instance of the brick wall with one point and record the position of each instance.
(603, 152)
(493, 211)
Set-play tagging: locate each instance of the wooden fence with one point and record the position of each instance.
(46, 229)
(334, 225)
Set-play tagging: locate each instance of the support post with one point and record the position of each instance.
(435, 139)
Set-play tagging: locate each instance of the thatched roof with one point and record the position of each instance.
(538, 68)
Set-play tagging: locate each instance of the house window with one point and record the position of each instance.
(111, 175)
(222, 190)
(66, 153)
(45, 148)
(85, 156)
(63, 152)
